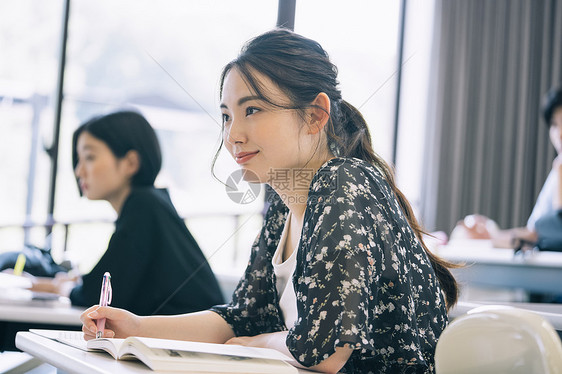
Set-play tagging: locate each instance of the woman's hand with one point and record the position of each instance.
(273, 340)
(269, 340)
(475, 226)
(61, 284)
(119, 323)
(43, 284)
(276, 340)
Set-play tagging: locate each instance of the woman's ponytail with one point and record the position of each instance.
(349, 135)
(357, 142)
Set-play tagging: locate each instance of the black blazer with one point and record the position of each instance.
(155, 263)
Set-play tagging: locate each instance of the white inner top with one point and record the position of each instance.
(284, 276)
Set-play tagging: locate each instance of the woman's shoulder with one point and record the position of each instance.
(341, 172)
(349, 168)
(276, 212)
(142, 199)
(149, 194)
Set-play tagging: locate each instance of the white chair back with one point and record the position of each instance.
(499, 339)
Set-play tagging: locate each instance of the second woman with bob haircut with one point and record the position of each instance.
(156, 265)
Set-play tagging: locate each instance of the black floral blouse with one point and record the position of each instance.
(362, 278)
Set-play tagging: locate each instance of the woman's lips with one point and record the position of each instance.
(244, 157)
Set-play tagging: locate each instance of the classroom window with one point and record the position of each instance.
(164, 59)
(361, 38)
(29, 41)
(414, 96)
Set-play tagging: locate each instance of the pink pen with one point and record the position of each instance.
(105, 300)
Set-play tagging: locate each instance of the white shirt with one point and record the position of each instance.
(284, 279)
(545, 201)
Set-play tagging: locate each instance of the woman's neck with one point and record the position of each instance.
(294, 192)
(295, 201)
(118, 199)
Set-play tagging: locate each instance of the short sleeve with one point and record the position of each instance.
(360, 273)
(254, 308)
(545, 201)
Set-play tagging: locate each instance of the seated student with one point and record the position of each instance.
(550, 196)
(339, 276)
(155, 263)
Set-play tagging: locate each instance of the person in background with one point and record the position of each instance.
(339, 276)
(156, 265)
(549, 199)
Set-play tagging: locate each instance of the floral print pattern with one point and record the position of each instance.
(363, 280)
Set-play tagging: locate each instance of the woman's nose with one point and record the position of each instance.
(78, 170)
(234, 134)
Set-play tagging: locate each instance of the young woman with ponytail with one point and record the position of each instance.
(339, 276)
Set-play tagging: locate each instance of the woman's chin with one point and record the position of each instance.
(250, 176)
(91, 196)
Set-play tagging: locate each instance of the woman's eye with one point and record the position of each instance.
(251, 110)
(86, 156)
(225, 118)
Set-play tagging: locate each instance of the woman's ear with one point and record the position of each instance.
(131, 162)
(319, 113)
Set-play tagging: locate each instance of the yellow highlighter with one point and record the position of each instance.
(20, 263)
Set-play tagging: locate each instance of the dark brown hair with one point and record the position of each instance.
(552, 100)
(124, 131)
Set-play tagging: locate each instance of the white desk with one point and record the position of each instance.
(21, 305)
(496, 267)
(41, 313)
(74, 360)
(20, 315)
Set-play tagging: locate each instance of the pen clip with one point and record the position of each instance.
(109, 291)
(106, 291)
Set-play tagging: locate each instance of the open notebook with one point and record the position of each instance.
(179, 355)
